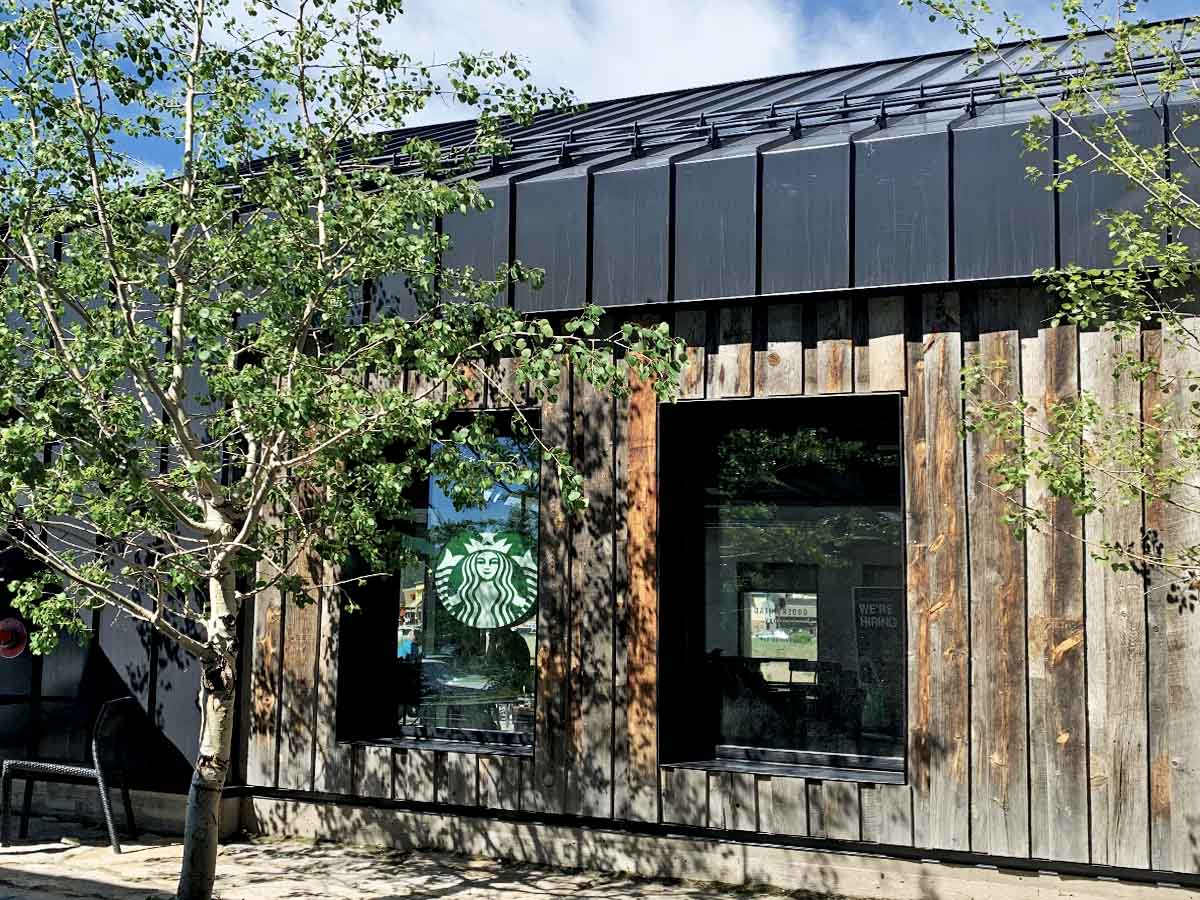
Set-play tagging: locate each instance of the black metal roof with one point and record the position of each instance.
(893, 173)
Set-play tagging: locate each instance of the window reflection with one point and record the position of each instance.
(466, 635)
(795, 620)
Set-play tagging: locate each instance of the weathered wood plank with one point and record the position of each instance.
(1054, 553)
(457, 778)
(833, 810)
(885, 340)
(503, 390)
(782, 805)
(298, 695)
(414, 776)
(939, 723)
(779, 365)
(1174, 622)
(635, 725)
(860, 330)
(685, 797)
(373, 775)
(1116, 635)
(691, 327)
(732, 801)
(730, 368)
(551, 720)
(500, 782)
(264, 678)
(835, 346)
(999, 765)
(590, 711)
(332, 760)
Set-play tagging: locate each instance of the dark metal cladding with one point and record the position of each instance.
(1084, 239)
(392, 298)
(901, 209)
(631, 214)
(1003, 221)
(806, 219)
(1187, 131)
(479, 238)
(552, 234)
(715, 227)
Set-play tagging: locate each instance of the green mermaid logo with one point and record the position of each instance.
(487, 580)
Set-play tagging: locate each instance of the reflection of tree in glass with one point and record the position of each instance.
(823, 481)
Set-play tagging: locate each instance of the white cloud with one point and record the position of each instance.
(613, 48)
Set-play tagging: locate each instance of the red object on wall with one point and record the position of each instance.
(13, 638)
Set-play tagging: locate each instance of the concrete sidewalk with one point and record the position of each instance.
(47, 868)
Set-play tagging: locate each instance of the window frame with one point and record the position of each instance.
(765, 760)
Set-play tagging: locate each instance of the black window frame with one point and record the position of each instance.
(675, 558)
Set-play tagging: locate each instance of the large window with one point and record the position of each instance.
(445, 649)
(783, 581)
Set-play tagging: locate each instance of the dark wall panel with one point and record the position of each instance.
(806, 219)
(715, 227)
(479, 238)
(630, 239)
(1003, 222)
(901, 210)
(552, 234)
(1091, 193)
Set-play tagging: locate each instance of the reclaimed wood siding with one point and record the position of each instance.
(1053, 703)
(999, 736)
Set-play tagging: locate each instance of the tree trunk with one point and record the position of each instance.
(218, 691)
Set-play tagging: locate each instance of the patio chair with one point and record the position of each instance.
(32, 770)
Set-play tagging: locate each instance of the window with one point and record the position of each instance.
(446, 648)
(782, 582)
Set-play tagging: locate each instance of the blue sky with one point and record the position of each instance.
(613, 48)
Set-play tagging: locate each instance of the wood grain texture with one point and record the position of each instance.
(860, 330)
(635, 721)
(590, 708)
(999, 764)
(685, 797)
(779, 365)
(835, 345)
(1057, 685)
(331, 760)
(298, 695)
(551, 721)
(730, 370)
(373, 775)
(782, 805)
(500, 782)
(414, 776)
(456, 776)
(1116, 634)
(1173, 613)
(691, 327)
(939, 722)
(833, 810)
(264, 688)
(885, 340)
(732, 801)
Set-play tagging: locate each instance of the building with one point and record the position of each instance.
(791, 638)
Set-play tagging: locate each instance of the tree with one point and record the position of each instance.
(1095, 454)
(191, 398)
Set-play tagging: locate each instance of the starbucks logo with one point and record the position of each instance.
(487, 580)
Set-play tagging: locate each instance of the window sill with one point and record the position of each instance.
(444, 746)
(789, 770)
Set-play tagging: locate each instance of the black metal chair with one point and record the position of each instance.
(32, 770)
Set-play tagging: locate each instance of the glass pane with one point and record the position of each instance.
(466, 635)
(796, 508)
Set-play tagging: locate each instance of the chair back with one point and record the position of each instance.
(105, 719)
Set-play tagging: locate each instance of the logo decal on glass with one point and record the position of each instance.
(487, 580)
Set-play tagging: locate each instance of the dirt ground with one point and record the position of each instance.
(49, 867)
